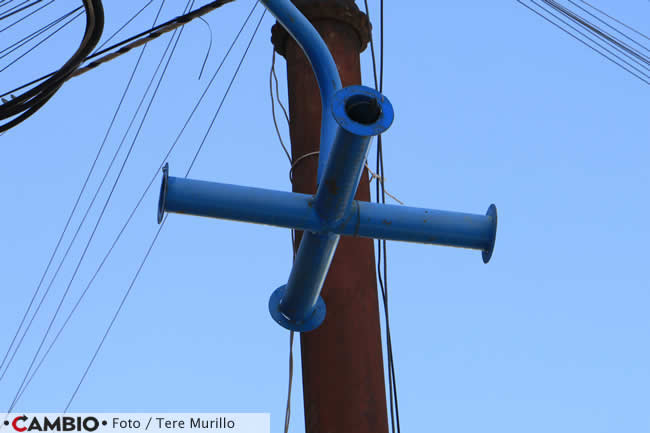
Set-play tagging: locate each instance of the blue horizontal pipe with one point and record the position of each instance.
(322, 62)
(296, 211)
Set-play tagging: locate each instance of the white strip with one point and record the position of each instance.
(136, 422)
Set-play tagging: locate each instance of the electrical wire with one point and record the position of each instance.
(7, 14)
(611, 26)
(21, 19)
(105, 206)
(123, 26)
(287, 413)
(614, 19)
(16, 45)
(380, 193)
(142, 196)
(602, 42)
(25, 105)
(126, 294)
(67, 23)
(93, 29)
(273, 76)
(275, 122)
(619, 46)
(241, 62)
(65, 228)
(209, 47)
(133, 42)
(4, 3)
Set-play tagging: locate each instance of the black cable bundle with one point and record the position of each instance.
(23, 106)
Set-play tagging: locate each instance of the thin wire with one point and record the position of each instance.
(241, 62)
(610, 26)
(65, 228)
(119, 308)
(209, 47)
(277, 92)
(612, 18)
(300, 158)
(123, 26)
(159, 229)
(142, 196)
(381, 245)
(275, 120)
(7, 14)
(133, 41)
(287, 413)
(374, 175)
(35, 34)
(106, 203)
(381, 46)
(42, 41)
(582, 41)
(558, 8)
(26, 16)
(616, 44)
(5, 3)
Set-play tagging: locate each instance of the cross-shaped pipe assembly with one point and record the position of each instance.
(351, 117)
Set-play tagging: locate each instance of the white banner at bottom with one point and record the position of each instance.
(136, 422)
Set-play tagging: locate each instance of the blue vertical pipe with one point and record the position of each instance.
(360, 113)
(298, 305)
(322, 62)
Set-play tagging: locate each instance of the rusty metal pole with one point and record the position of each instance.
(342, 366)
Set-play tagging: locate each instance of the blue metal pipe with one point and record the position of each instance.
(296, 211)
(297, 305)
(236, 203)
(322, 62)
(360, 113)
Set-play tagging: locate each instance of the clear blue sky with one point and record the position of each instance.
(493, 105)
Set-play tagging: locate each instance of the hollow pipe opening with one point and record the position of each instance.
(363, 109)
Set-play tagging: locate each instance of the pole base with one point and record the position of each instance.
(487, 253)
(309, 324)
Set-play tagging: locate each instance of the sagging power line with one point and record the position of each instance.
(611, 38)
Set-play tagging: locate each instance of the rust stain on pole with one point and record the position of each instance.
(342, 366)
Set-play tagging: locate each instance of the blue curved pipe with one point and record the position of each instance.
(322, 62)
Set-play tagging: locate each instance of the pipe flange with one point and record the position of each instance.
(340, 10)
(309, 324)
(163, 193)
(492, 214)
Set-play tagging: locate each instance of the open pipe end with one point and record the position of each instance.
(491, 213)
(362, 111)
(309, 324)
(163, 193)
